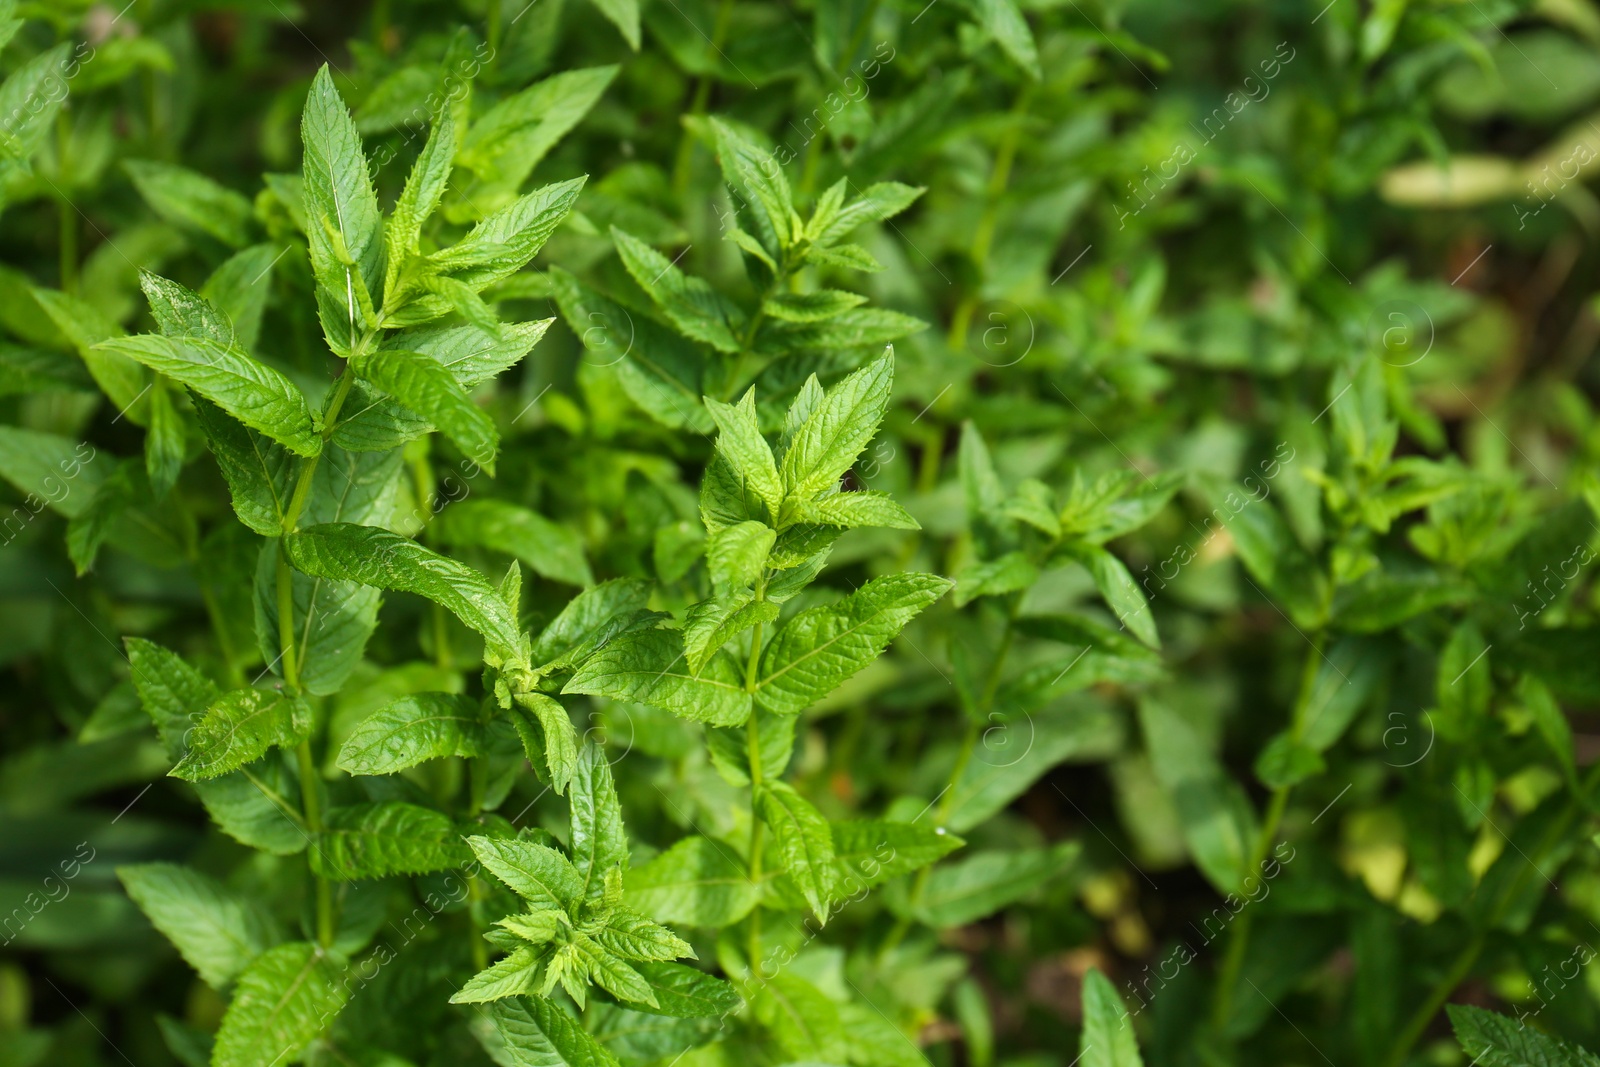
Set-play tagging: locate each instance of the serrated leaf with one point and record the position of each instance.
(1495, 1040)
(245, 388)
(980, 884)
(519, 972)
(1122, 594)
(536, 873)
(1108, 1038)
(586, 615)
(869, 852)
(558, 740)
(372, 556)
(696, 882)
(427, 387)
(506, 241)
(343, 225)
(804, 842)
(756, 178)
(649, 667)
(837, 429)
(685, 992)
(746, 451)
(815, 306)
(174, 694)
(287, 997)
(186, 198)
(218, 932)
(850, 510)
(239, 288)
(879, 201)
(259, 471)
(424, 187)
(1004, 22)
(598, 840)
(696, 309)
(737, 555)
(820, 647)
(535, 1032)
(634, 937)
(388, 837)
(712, 623)
(509, 140)
(550, 549)
(238, 728)
(411, 730)
(800, 1018)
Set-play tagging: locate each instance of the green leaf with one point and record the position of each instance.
(696, 309)
(245, 388)
(1122, 594)
(624, 15)
(164, 443)
(1007, 574)
(185, 198)
(712, 623)
(424, 187)
(30, 98)
(837, 429)
(1108, 1038)
(1287, 761)
(800, 1018)
(174, 694)
(598, 840)
(427, 387)
(411, 730)
(696, 882)
(536, 873)
(815, 306)
(535, 1032)
(804, 842)
(259, 471)
(737, 555)
(550, 549)
(756, 178)
(869, 852)
(850, 510)
(559, 741)
(648, 667)
(389, 837)
(685, 992)
(984, 882)
(50, 470)
(615, 976)
(586, 616)
(372, 556)
(343, 224)
(239, 288)
(520, 972)
(506, 241)
(730, 748)
(287, 997)
(821, 647)
(1495, 1040)
(634, 937)
(508, 140)
(879, 201)
(1004, 21)
(741, 444)
(239, 728)
(122, 379)
(217, 931)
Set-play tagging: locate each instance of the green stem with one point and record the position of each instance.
(1233, 959)
(1418, 1023)
(697, 105)
(969, 745)
(753, 754)
(983, 237)
(311, 800)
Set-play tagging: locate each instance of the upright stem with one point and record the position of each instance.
(310, 797)
(983, 237)
(697, 106)
(311, 800)
(1233, 959)
(753, 754)
(969, 745)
